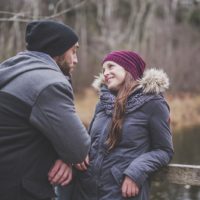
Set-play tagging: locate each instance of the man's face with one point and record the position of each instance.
(68, 60)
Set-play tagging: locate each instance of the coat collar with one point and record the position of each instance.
(154, 81)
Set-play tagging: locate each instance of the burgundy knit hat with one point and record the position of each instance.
(129, 60)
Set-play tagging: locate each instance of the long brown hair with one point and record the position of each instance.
(125, 90)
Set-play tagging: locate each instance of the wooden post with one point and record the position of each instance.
(179, 174)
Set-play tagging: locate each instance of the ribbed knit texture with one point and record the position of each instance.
(129, 60)
(49, 37)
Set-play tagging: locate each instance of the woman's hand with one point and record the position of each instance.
(84, 165)
(60, 173)
(129, 188)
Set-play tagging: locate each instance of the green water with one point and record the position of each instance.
(187, 151)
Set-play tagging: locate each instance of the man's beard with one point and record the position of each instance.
(64, 66)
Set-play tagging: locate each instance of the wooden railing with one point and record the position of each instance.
(179, 174)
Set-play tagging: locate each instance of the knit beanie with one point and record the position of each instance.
(129, 60)
(49, 37)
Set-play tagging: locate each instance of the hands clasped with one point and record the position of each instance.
(60, 173)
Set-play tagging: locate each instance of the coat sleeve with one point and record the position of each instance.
(161, 146)
(54, 115)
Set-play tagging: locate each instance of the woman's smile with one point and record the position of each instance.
(114, 75)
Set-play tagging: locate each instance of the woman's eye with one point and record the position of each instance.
(110, 66)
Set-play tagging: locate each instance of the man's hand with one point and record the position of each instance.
(84, 165)
(129, 188)
(60, 173)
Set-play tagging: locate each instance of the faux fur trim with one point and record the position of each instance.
(153, 81)
(98, 81)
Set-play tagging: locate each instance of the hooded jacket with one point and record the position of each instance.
(38, 124)
(145, 145)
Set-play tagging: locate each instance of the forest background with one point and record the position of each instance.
(166, 33)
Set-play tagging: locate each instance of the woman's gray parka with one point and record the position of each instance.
(145, 146)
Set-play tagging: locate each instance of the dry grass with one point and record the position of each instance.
(85, 105)
(185, 108)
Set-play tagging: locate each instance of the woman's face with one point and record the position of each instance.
(114, 75)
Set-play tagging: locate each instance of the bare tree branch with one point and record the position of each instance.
(12, 13)
(66, 10)
(57, 6)
(13, 19)
(20, 17)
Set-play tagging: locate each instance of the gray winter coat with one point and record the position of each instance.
(38, 124)
(145, 146)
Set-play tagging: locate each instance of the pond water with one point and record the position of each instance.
(187, 151)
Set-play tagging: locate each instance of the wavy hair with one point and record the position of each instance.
(124, 92)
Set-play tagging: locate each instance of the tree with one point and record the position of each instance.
(164, 33)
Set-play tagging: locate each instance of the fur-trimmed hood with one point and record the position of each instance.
(153, 81)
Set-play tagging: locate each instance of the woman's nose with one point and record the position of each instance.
(106, 72)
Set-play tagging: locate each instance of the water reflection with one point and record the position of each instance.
(187, 149)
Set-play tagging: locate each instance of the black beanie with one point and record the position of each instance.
(49, 37)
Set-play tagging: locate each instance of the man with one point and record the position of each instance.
(39, 129)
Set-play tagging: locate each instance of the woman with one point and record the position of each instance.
(130, 132)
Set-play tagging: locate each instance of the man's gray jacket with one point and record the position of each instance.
(38, 124)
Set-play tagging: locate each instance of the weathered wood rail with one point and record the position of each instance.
(179, 174)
